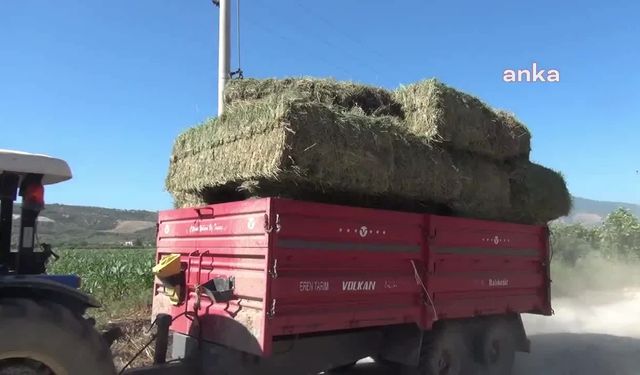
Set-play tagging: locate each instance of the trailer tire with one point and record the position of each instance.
(40, 335)
(498, 348)
(444, 352)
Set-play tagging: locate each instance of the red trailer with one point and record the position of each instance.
(277, 286)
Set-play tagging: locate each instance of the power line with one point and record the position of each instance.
(239, 73)
(291, 40)
(333, 26)
(354, 57)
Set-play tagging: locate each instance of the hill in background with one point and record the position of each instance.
(588, 211)
(64, 225)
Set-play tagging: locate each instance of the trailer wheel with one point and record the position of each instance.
(43, 338)
(498, 348)
(444, 352)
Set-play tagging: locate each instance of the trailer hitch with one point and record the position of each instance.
(190, 366)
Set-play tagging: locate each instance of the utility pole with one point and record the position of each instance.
(224, 43)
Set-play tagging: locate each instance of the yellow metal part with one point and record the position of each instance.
(167, 270)
(169, 265)
(173, 292)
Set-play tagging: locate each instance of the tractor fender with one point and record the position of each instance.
(40, 288)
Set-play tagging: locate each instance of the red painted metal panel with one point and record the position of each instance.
(306, 268)
(344, 267)
(220, 241)
(482, 267)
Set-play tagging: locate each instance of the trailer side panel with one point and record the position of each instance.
(300, 268)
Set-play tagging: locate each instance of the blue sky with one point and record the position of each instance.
(108, 85)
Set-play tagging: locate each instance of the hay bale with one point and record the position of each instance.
(513, 133)
(304, 147)
(326, 141)
(184, 199)
(346, 95)
(538, 194)
(424, 172)
(440, 113)
(486, 190)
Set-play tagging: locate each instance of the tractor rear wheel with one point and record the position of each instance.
(44, 338)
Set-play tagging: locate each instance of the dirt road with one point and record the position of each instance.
(597, 333)
(562, 354)
(580, 354)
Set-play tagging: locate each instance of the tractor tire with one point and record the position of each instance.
(445, 351)
(497, 348)
(44, 338)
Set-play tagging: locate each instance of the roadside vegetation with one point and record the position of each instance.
(120, 279)
(598, 257)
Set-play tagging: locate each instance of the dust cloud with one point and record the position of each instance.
(604, 312)
(595, 329)
(596, 326)
(597, 296)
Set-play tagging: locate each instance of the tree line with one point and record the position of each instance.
(617, 238)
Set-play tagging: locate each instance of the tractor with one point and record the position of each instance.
(44, 329)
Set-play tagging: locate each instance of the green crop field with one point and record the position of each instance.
(120, 279)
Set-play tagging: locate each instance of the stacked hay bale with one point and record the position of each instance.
(435, 111)
(425, 147)
(491, 151)
(538, 194)
(305, 149)
(340, 95)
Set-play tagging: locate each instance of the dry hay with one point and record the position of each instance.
(519, 191)
(135, 335)
(485, 190)
(462, 122)
(307, 148)
(346, 95)
(182, 199)
(538, 194)
(326, 141)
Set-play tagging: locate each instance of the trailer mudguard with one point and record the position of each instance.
(40, 288)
